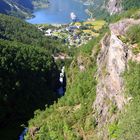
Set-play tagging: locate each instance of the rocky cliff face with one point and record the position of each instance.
(114, 6)
(112, 62)
(109, 6)
(25, 3)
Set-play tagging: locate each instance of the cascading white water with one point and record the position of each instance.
(61, 79)
(21, 137)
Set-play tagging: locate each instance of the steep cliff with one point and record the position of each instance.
(112, 62)
(104, 8)
(75, 116)
(114, 6)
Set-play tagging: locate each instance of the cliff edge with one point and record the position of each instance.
(112, 62)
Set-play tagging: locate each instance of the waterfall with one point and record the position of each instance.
(61, 90)
(21, 137)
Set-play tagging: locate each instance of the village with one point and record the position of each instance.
(74, 34)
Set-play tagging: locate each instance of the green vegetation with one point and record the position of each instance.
(87, 48)
(21, 8)
(98, 10)
(17, 8)
(131, 13)
(133, 36)
(28, 73)
(129, 124)
(14, 29)
(21, 14)
(95, 24)
(76, 34)
(72, 116)
(129, 4)
(112, 128)
(29, 82)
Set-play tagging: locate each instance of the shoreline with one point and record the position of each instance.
(37, 8)
(53, 22)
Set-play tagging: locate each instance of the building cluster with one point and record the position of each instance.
(74, 34)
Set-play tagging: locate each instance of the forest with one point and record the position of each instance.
(21, 8)
(28, 73)
(74, 112)
(29, 79)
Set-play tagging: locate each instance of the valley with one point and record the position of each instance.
(70, 79)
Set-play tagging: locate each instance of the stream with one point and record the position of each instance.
(61, 91)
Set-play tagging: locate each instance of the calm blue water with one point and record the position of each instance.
(59, 12)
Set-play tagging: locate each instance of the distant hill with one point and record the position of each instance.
(17, 8)
(20, 8)
(104, 8)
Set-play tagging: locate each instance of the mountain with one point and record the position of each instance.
(17, 8)
(21, 8)
(117, 6)
(102, 99)
(28, 73)
(24, 3)
(104, 8)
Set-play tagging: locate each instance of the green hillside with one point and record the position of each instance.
(100, 8)
(21, 8)
(29, 80)
(73, 117)
(14, 29)
(28, 73)
(128, 4)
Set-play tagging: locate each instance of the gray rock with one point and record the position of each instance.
(112, 62)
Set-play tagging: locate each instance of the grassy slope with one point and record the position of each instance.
(23, 49)
(72, 116)
(128, 126)
(14, 29)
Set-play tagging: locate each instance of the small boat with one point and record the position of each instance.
(73, 16)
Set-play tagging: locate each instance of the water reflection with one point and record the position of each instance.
(59, 12)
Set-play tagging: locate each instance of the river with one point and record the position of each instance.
(58, 12)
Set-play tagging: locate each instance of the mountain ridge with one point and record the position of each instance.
(101, 86)
(101, 100)
(21, 8)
